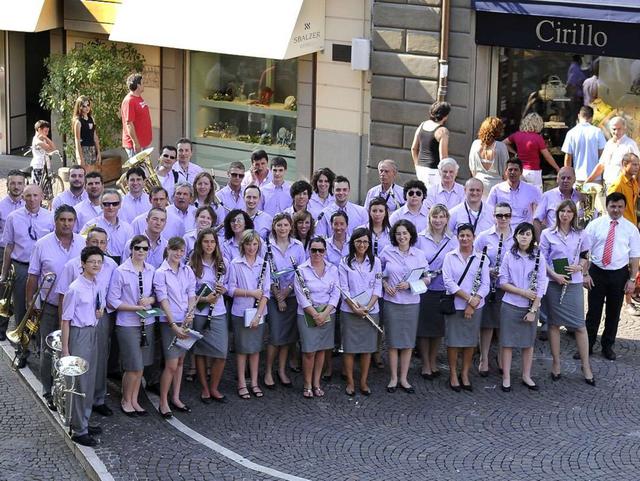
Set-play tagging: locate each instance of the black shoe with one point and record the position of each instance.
(555, 377)
(408, 390)
(609, 354)
(142, 413)
(467, 387)
(590, 382)
(270, 386)
(365, 392)
(428, 376)
(349, 393)
(131, 414)
(94, 430)
(167, 415)
(436, 373)
(296, 369)
(103, 410)
(391, 389)
(206, 400)
(483, 373)
(22, 361)
(154, 388)
(455, 388)
(85, 440)
(50, 404)
(183, 409)
(3, 336)
(531, 387)
(506, 388)
(221, 399)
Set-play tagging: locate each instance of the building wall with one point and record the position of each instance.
(406, 49)
(343, 96)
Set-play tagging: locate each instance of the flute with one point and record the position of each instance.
(367, 316)
(575, 259)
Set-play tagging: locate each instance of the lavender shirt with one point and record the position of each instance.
(209, 277)
(124, 289)
(188, 175)
(262, 223)
(430, 248)
(244, 276)
(334, 255)
(419, 220)
(133, 207)
(50, 256)
(7, 206)
(86, 211)
(462, 214)
(16, 231)
(523, 200)
(453, 267)
(323, 290)
(450, 198)
(229, 199)
(360, 278)
(67, 197)
(490, 239)
(173, 226)
(176, 287)
(546, 210)
(396, 266)
(181, 222)
(317, 205)
(515, 270)
(155, 256)
(230, 249)
(394, 196)
(275, 198)
(379, 242)
(249, 179)
(80, 303)
(117, 234)
(357, 216)
(72, 270)
(282, 260)
(554, 245)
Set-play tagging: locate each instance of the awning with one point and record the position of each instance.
(623, 11)
(251, 28)
(31, 16)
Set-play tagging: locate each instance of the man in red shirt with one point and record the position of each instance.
(136, 118)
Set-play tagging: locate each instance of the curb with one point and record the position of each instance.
(87, 457)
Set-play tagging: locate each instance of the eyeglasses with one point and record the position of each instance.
(416, 193)
(94, 262)
(141, 248)
(317, 250)
(111, 204)
(172, 157)
(235, 174)
(503, 216)
(361, 242)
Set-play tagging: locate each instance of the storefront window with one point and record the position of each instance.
(240, 104)
(551, 84)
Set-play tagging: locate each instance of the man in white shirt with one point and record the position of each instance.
(259, 173)
(610, 164)
(583, 145)
(186, 169)
(472, 211)
(615, 253)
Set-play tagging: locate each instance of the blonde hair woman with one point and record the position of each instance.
(85, 135)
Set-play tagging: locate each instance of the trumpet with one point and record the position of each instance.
(142, 160)
(30, 323)
(6, 306)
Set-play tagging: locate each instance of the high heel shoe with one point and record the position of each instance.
(531, 387)
(505, 388)
(555, 377)
(455, 388)
(590, 382)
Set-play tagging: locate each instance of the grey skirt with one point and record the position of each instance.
(283, 329)
(358, 335)
(571, 312)
(215, 342)
(319, 338)
(431, 320)
(491, 311)
(167, 337)
(245, 339)
(132, 356)
(401, 324)
(461, 332)
(514, 330)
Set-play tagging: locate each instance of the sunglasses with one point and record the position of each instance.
(503, 216)
(317, 250)
(111, 204)
(235, 174)
(141, 248)
(416, 193)
(172, 157)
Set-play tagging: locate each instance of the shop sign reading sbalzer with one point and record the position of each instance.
(612, 39)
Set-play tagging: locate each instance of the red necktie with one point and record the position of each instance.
(608, 245)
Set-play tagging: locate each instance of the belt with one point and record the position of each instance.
(20, 262)
(50, 305)
(625, 268)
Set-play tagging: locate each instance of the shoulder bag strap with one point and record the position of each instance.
(466, 269)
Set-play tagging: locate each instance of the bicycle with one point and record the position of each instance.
(50, 183)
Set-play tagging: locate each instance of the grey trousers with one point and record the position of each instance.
(48, 324)
(83, 342)
(19, 289)
(4, 321)
(104, 330)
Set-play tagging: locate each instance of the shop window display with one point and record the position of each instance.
(240, 104)
(552, 84)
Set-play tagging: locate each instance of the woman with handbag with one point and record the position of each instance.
(435, 241)
(567, 247)
(523, 277)
(402, 261)
(466, 277)
(249, 286)
(317, 293)
(498, 240)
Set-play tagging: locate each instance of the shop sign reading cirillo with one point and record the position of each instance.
(560, 33)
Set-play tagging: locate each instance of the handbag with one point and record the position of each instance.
(552, 89)
(447, 304)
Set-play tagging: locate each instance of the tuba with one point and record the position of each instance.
(142, 160)
(6, 306)
(67, 368)
(30, 323)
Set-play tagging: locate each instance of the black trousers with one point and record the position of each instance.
(608, 287)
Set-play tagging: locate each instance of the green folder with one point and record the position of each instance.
(559, 266)
(310, 321)
(203, 291)
(155, 312)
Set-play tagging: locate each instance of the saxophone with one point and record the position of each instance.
(496, 269)
(533, 276)
(477, 280)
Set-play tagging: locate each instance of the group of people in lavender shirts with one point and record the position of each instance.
(300, 266)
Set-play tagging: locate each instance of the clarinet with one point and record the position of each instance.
(575, 257)
(263, 270)
(533, 276)
(274, 281)
(496, 269)
(477, 280)
(219, 274)
(144, 342)
(300, 279)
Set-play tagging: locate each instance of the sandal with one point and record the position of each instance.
(243, 393)
(190, 377)
(317, 392)
(257, 392)
(307, 393)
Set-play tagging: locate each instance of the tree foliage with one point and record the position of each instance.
(99, 71)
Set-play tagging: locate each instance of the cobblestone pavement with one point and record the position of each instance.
(30, 447)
